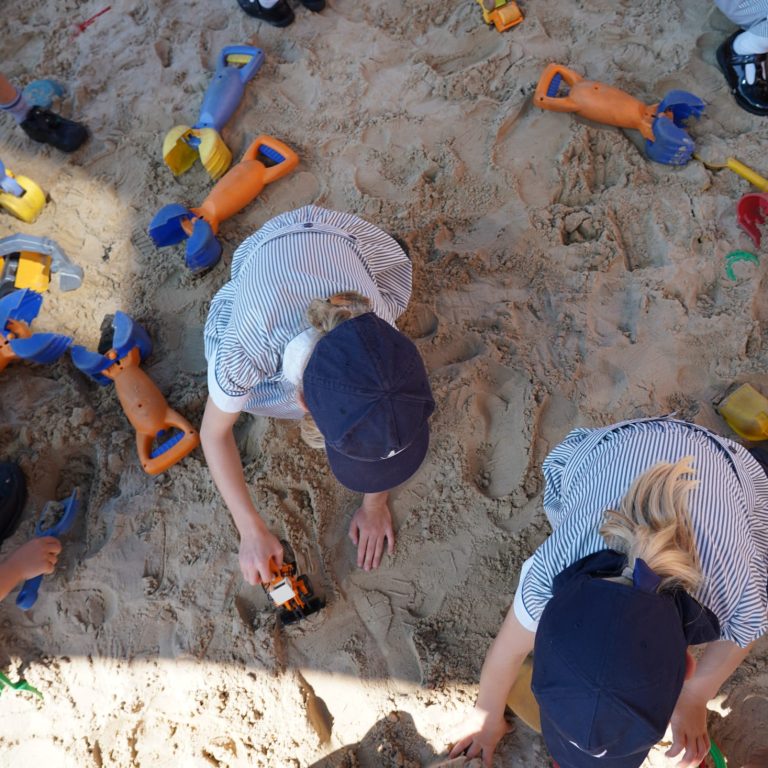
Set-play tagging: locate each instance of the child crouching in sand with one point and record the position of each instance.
(660, 541)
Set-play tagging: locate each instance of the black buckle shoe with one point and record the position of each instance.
(13, 496)
(750, 96)
(279, 15)
(49, 128)
(314, 5)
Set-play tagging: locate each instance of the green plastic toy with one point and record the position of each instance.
(20, 685)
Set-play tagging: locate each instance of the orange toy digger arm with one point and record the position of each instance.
(594, 101)
(150, 415)
(243, 182)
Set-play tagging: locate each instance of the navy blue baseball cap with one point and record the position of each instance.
(609, 661)
(366, 387)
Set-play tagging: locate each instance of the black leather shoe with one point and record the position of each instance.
(314, 5)
(49, 128)
(279, 15)
(13, 496)
(750, 96)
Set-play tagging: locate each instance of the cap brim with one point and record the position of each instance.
(567, 754)
(377, 476)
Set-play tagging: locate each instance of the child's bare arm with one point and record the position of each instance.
(689, 720)
(486, 725)
(29, 560)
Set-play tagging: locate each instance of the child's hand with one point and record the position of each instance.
(479, 735)
(689, 731)
(36, 557)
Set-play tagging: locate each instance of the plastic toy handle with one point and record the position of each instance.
(249, 69)
(283, 167)
(27, 596)
(224, 93)
(545, 97)
(174, 452)
(747, 173)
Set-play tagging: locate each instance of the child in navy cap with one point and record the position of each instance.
(659, 542)
(306, 329)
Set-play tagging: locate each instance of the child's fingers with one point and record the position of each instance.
(50, 544)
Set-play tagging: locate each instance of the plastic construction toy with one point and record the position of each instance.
(291, 593)
(56, 519)
(163, 436)
(17, 342)
(19, 685)
(236, 65)
(746, 411)
(28, 261)
(265, 161)
(751, 211)
(662, 125)
(503, 14)
(20, 196)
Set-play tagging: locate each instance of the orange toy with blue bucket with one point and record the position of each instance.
(562, 90)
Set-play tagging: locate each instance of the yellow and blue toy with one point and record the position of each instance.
(27, 261)
(19, 195)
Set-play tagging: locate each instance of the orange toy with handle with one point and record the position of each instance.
(562, 90)
(266, 160)
(163, 436)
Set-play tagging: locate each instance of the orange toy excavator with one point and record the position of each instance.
(562, 90)
(163, 436)
(265, 161)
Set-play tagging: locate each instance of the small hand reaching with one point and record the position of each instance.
(38, 556)
(689, 731)
(370, 527)
(260, 557)
(479, 735)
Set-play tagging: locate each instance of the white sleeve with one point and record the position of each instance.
(223, 401)
(521, 614)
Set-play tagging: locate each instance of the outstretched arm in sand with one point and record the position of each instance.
(32, 559)
(481, 731)
(258, 546)
(689, 720)
(371, 525)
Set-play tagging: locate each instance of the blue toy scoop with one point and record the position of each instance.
(203, 249)
(66, 512)
(671, 144)
(21, 305)
(41, 347)
(165, 227)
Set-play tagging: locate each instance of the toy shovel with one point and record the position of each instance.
(17, 311)
(20, 195)
(64, 512)
(236, 65)
(266, 160)
(163, 436)
(562, 90)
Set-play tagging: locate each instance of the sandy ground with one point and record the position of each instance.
(560, 279)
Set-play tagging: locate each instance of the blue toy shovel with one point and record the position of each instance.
(236, 65)
(65, 513)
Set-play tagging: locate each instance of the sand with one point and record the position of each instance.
(560, 279)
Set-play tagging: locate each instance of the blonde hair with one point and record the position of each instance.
(325, 315)
(653, 524)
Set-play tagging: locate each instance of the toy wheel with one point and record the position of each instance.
(304, 585)
(289, 556)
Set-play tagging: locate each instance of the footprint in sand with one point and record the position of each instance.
(420, 322)
(87, 606)
(447, 352)
(498, 450)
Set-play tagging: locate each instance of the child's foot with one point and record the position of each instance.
(278, 15)
(747, 76)
(49, 128)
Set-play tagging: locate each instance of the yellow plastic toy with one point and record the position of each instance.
(746, 411)
(28, 261)
(503, 14)
(732, 164)
(20, 196)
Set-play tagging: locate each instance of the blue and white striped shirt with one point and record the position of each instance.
(310, 253)
(592, 469)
